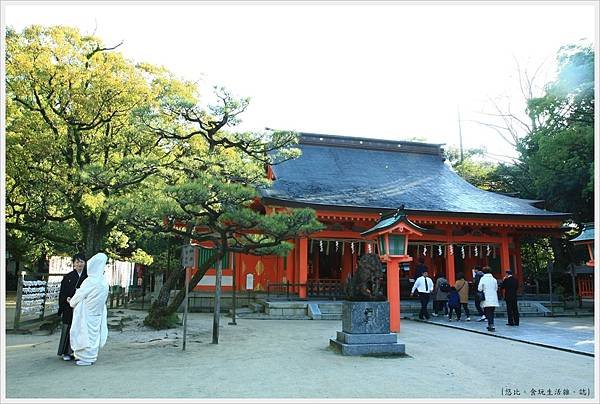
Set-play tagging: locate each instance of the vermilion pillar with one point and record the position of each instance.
(504, 256)
(303, 266)
(450, 270)
(519, 265)
(393, 293)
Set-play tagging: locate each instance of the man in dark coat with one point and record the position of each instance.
(510, 284)
(70, 283)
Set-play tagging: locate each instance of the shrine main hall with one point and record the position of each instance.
(351, 182)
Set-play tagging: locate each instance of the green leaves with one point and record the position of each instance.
(559, 153)
(99, 147)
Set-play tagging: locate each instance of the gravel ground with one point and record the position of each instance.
(288, 359)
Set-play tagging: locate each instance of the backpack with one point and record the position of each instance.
(454, 300)
(445, 287)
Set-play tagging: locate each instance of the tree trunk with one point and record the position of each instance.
(93, 234)
(161, 314)
(561, 254)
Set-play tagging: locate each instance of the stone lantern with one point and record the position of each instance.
(392, 233)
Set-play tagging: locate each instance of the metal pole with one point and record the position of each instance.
(573, 284)
(460, 135)
(217, 305)
(233, 300)
(185, 304)
(550, 267)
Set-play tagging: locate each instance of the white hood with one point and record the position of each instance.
(96, 265)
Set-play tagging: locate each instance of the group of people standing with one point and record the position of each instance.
(82, 306)
(454, 299)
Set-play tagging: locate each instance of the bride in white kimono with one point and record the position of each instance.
(89, 328)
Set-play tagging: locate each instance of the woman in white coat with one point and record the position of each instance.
(489, 286)
(89, 328)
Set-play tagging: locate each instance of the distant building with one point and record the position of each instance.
(585, 273)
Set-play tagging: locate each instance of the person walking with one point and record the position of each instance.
(489, 286)
(89, 329)
(477, 274)
(453, 304)
(69, 284)
(423, 285)
(440, 295)
(510, 286)
(462, 287)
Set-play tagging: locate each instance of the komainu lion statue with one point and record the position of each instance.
(367, 282)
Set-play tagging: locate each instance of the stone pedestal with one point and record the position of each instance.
(366, 330)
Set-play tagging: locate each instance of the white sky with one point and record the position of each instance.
(385, 70)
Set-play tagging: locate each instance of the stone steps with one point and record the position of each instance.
(328, 310)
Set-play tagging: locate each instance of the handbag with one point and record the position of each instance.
(480, 295)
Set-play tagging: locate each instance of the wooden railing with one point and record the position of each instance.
(315, 288)
(586, 287)
(281, 290)
(325, 288)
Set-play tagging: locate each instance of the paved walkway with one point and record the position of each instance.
(572, 334)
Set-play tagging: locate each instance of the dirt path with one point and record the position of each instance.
(289, 359)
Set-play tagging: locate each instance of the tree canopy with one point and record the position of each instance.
(559, 152)
(77, 149)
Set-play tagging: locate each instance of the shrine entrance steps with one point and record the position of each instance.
(332, 310)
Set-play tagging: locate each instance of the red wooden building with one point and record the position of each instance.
(350, 181)
(585, 274)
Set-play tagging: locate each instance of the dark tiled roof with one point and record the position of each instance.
(361, 173)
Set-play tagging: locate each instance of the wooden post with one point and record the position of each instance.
(303, 266)
(217, 305)
(393, 293)
(18, 302)
(44, 299)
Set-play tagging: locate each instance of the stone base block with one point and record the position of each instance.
(347, 338)
(396, 348)
(366, 317)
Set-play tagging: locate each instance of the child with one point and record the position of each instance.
(453, 304)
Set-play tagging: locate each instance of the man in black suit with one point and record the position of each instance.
(68, 286)
(510, 284)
